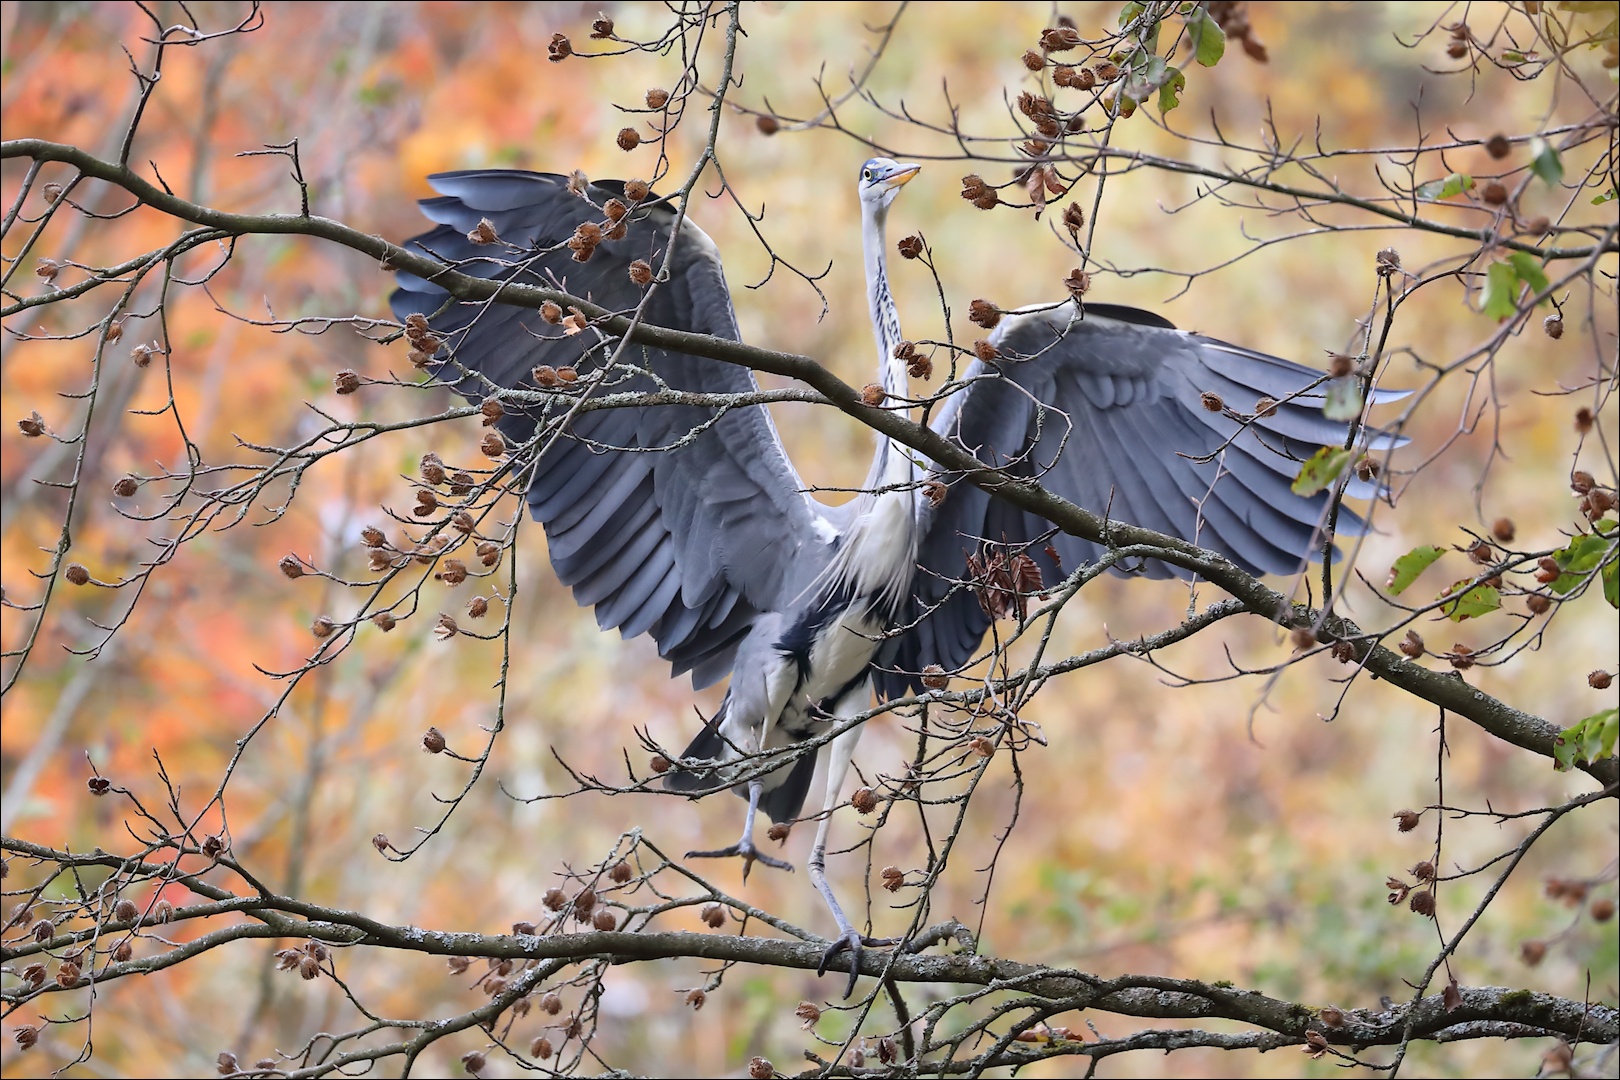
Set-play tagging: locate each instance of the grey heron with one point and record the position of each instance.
(710, 542)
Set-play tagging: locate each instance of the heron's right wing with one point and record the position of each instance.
(666, 519)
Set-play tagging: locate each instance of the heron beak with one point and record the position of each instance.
(902, 176)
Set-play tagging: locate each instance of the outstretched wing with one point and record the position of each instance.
(688, 541)
(1107, 411)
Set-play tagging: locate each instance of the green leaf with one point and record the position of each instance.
(1500, 299)
(1445, 188)
(1529, 270)
(1608, 196)
(1410, 565)
(1582, 554)
(1170, 90)
(1321, 470)
(1589, 740)
(1207, 38)
(1463, 602)
(1129, 12)
(1545, 163)
(1343, 401)
(1611, 583)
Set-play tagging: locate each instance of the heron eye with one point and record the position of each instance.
(866, 175)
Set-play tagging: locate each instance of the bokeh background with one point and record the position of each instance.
(1161, 831)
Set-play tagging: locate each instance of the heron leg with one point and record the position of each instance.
(745, 847)
(849, 939)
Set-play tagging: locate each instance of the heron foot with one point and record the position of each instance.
(749, 854)
(850, 941)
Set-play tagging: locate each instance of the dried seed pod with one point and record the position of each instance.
(1503, 530)
(659, 763)
(601, 27)
(1389, 261)
(1332, 1016)
(864, 800)
(1462, 657)
(977, 192)
(984, 313)
(985, 351)
(125, 910)
(452, 572)
(620, 873)
(1581, 482)
(433, 741)
(604, 919)
(489, 553)
(778, 832)
(1106, 72)
(383, 621)
(43, 930)
(808, 1012)
(1074, 219)
(584, 902)
(760, 1068)
(636, 190)
(551, 1004)
(1412, 646)
(34, 976)
(1602, 910)
(446, 628)
(893, 878)
(657, 98)
(1406, 820)
(1532, 952)
(920, 367)
(477, 607)
(32, 425)
(461, 483)
(713, 915)
(628, 138)
(695, 997)
(1495, 193)
(98, 785)
(26, 1036)
(492, 410)
(346, 381)
(641, 273)
(767, 125)
(483, 232)
(1537, 604)
(47, 269)
(934, 677)
(492, 444)
(142, 355)
(551, 312)
(1059, 38)
(213, 847)
(540, 1048)
(1078, 283)
(1536, 226)
(1302, 638)
(555, 899)
(1422, 903)
(567, 375)
(1344, 652)
(982, 746)
(473, 1061)
(1598, 503)
(1498, 146)
(934, 492)
(873, 394)
(1340, 365)
(1033, 60)
(559, 49)
(545, 375)
(51, 192)
(1211, 401)
(1599, 680)
(291, 567)
(323, 626)
(910, 247)
(76, 574)
(1553, 326)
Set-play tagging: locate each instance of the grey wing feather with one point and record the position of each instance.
(689, 544)
(1106, 411)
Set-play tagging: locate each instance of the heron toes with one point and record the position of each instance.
(852, 942)
(745, 850)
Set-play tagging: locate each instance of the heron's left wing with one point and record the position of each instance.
(1108, 411)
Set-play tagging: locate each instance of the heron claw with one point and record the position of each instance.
(850, 941)
(749, 854)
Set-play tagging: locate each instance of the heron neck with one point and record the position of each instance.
(893, 463)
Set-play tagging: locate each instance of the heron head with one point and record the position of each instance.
(881, 180)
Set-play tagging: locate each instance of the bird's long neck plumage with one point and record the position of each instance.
(879, 556)
(892, 464)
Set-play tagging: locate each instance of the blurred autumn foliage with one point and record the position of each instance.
(1218, 832)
